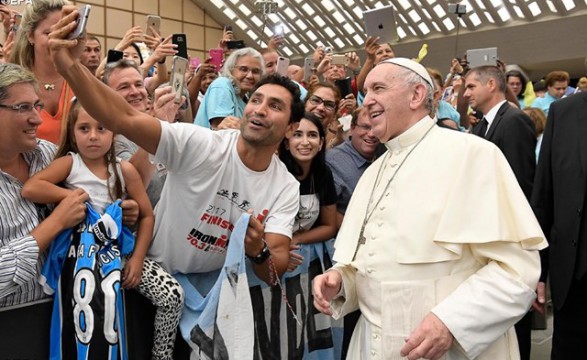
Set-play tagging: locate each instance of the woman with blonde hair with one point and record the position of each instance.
(31, 51)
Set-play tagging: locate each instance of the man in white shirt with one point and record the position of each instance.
(440, 250)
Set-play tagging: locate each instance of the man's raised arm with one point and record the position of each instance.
(101, 102)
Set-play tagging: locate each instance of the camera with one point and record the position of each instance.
(457, 9)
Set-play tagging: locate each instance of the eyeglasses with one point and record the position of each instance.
(245, 70)
(24, 107)
(365, 128)
(317, 100)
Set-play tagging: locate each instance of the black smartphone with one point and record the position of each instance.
(114, 56)
(182, 45)
(235, 44)
(228, 28)
(344, 86)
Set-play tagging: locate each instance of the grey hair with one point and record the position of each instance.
(486, 72)
(411, 78)
(118, 65)
(230, 63)
(11, 74)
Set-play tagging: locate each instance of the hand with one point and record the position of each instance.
(130, 212)
(8, 45)
(72, 209)
(313, 81)
(371, 47)
(229, 122)
(64, 52)
(132, 35)
(205, 68)
(164, 49)
(164, 105)
(152, 38)
(540, 303)
(430, 340)
(295, 258)
(318, 55)
(227, 35)
(255, 234)
(455, 67)
(325, 287)
(324, 64)
(354, 60)
(334, 134)
(7, 15)
(275, 42)
(132, 272)
(347, 105)
(500, 65)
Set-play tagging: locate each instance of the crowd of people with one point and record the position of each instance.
(405, 218)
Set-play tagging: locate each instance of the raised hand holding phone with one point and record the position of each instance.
(82, 21)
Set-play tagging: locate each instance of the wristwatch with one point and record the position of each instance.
(263, 255)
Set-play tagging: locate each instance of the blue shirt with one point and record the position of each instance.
(544, 103)
(447, 111)
(347, 166)
(220, 101)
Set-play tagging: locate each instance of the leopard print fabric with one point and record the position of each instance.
(167, 295)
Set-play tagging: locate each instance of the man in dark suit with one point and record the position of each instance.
(514, 133)
(558, 200)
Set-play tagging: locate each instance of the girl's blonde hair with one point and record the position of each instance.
(23, 53)
(68, 145)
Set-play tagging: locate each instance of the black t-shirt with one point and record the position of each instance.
(314, 192)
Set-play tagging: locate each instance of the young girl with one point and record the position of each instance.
(86, 160)
(316, 336)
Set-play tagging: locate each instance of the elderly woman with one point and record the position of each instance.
(226, 96)
(31, 51)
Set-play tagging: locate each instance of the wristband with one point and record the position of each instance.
(262, 257)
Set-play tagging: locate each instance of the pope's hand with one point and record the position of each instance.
(430, 340)
(326, 286)
(64, 52)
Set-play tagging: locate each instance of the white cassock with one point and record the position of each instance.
(452, 234)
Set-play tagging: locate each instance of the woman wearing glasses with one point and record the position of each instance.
(226, 96)
(323, 101)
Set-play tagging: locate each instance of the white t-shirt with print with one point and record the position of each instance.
(207, 189)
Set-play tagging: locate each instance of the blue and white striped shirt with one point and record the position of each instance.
(20, 263)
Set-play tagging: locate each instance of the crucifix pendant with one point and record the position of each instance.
(361, 241)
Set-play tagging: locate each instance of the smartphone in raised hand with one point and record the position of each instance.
(153, 22)
(182, 45)
(216, 58)
(177, 79)
(82, 22)
(282, 65)
(114, 55)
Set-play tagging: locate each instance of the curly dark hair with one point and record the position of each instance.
(297, 106)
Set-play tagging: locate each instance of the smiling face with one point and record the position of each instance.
(92, 139)
(130, 53)
(388, 102)
(322, 103)
(19, 130)
(305, 142)
(129, 83)
(270, 62)
(247, 73)
(362, 137)
(267, 115)
(384, 52)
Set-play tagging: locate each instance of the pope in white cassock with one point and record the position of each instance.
(440, 250)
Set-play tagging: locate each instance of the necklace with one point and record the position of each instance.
(49, 87)
(368, 213)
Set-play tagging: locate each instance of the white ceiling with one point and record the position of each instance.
(538, 35)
